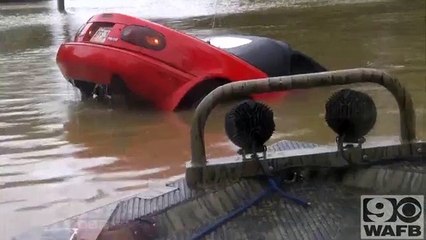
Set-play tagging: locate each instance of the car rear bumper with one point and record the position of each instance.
(143, 76)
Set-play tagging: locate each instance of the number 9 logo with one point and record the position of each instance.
(379, 209)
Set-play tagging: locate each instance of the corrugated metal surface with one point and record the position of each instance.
(331, 216)
(290, 145)
(334, 214)
(137, 207)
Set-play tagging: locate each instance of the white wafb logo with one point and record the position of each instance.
(392, 217)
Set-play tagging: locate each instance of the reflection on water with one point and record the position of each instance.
(59, 157)
(138, 140)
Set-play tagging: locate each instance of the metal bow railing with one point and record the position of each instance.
(303, 81)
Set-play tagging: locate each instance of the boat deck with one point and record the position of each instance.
(334, 212)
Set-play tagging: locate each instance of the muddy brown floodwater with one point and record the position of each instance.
(59, 157)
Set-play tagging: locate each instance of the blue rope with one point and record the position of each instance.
(273, 187)
(273, 184)
(210, 228)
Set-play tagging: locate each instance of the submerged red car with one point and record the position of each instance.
(119, 55)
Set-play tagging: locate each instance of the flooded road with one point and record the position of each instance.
(59, 157)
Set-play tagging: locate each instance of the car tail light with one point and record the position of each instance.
(144, 37)
(91, 32)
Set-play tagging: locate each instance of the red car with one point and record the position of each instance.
(115, 54)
